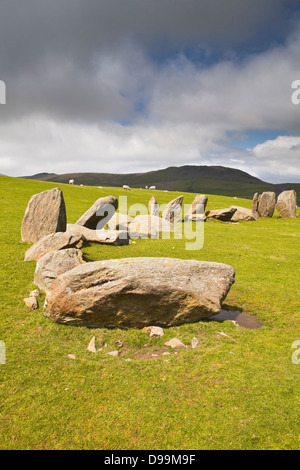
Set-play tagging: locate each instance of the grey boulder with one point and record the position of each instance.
(55, 241)
(45, 214)
(97, 216)
(55, 263)
(138, 292)
(287, 204)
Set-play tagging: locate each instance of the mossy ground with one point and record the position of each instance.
(239, 391)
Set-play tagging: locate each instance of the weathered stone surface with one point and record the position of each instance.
(242, 213)
(45, 214)
(55, 241)
(173, 209)
(255, 205)
(138, 292)
(153, 207)
(287, 204)
(35, 293)
(175, 343)
(119, 222)
(147, 226)
(266, 204)
(55, 263)
(92, 345)
(32, 303)
(154, 331)
(195, 342)
(198, 205)
(221, 214)
(108, 237)
(97, 216)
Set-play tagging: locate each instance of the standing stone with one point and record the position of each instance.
(55, 263)
(173, 209)
(153, 207)
(266, 204)
(45, 214)
(99, 213)
(55, 241)
(138, 292)
(254, 208)
(197, 209)
(287, 204)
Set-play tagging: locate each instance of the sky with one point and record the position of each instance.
(126, 86)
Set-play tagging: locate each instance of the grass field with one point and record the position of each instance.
(239, 391)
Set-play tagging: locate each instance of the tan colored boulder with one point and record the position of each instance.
(138, 292)
(55, 263)
(153, 207)
(97, 216)
(175, 343)
(221, 214)
(147, 226)
(198, 206)
(242, 213)
(287, 204)
(266, 204)
(55, 241)
(107, 237)
(173, 210)
(45, 214)
(119, 222)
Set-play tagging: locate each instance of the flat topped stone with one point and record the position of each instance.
(139, 292)
(55, 241)
(45, 214)
(108, 237)
(224, 215)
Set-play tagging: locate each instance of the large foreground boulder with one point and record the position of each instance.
(97, 216)
(55, 241)
(287, 204)
(108, 237)
(138, 292)
(55, 263)
(45, 214)
(221, 214)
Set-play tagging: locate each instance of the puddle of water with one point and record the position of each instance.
(241, 318)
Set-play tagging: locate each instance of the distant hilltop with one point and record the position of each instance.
(217, 180)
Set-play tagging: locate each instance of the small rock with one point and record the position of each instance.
(195, 342)
(154, 331)
(71, 356)
(175, 343)
(119, 343)
(166, 353)
(35, 293)
(92, 345)
(31, 303)
(113, 353)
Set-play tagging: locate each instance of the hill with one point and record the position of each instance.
(217, 180)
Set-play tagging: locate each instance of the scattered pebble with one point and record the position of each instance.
(154, 331)
(119, 343)
(175, 343)
(31, 303)
(92, 345)
(71, 356)
(195, 342)
(35, 293)
(113, 353)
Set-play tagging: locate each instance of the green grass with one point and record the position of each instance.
(236, 392)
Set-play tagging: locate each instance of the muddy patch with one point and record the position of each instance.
(242, 319)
